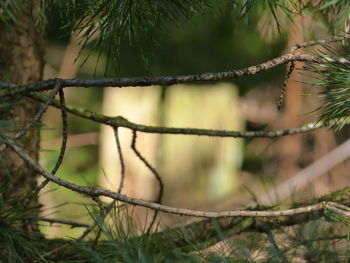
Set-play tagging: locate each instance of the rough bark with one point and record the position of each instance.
(20, 62)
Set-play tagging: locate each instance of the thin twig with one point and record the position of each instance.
(150, 167)
(121, 160)
(339, 208)
(317, 42)
(284, 85)
(122, 122)
(40, 112)
(154, 172)
(38, 115)
(63, 144)
(292, 63)
(318, 207)
(58, 221)
(64, 131)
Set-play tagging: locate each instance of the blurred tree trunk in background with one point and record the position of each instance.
(20, 63)
(292, 145)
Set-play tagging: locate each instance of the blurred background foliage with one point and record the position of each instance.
(214, 40)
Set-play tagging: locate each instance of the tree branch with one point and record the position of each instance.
(204, 233)
(122, 122)
(155, 206)
(317, 42)
(8, 89)
(231, 222)
(63, 143)
(41, 111)
(154, 172)
(121, 160)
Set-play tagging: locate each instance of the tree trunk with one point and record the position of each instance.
(20, 63)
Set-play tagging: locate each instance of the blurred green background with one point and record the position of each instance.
(214, 41)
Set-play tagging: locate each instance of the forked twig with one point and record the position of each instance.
(38, 115)
(64, 141)
(149, 166)
(41, 111)
(154, 172)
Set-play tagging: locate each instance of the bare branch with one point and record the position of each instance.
(64, 140)
(38, 115)
(168, 80)
(155, 173)
(317, 42)
(318, 207)
(122, 122)
(150, 167)
(41, 111)
(121, 160)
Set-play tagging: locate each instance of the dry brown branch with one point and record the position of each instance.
(154, 172)
(318, 207)
(9, 89)
(317, 42)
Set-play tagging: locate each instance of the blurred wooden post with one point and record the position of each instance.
(137, 105)
(195, 169)
(199, 169)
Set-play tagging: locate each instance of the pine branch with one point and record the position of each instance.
(111, 23)
(334, 77)
(246, 220)
(167, 80)
(164, 208)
